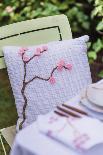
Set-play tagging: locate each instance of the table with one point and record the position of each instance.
(30, 142)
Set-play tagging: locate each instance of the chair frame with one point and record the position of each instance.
(31, 32)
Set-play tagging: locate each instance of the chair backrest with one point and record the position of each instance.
(33, 32)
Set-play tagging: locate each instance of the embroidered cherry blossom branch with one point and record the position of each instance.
(38, 53)
(51, 79)
(26, 60)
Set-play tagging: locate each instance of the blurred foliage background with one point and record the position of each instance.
(85, 17)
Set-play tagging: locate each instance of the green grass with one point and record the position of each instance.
(8, 115)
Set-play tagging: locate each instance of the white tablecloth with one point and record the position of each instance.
(30, 142)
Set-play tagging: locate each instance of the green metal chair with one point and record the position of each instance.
(30, 32)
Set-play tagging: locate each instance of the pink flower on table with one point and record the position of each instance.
(68, 66)
(52, 80)
(9, 9)
(60, 65)
(44, 48)
(25, 58)
(22, 51)
(38, 51)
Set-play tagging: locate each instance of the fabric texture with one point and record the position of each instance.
(44, 76)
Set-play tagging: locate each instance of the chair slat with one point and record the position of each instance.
(9, 134)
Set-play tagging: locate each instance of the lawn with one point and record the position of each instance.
(8, 115)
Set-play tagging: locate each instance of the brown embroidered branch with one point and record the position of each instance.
(41, 78)
(23, 94)
(25, 83)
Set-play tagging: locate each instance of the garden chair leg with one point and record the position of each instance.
(2, 144)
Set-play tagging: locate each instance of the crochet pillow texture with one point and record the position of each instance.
(47, 75)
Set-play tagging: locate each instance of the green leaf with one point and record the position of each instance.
(89, 44)
(86, 25)
(92, 55)
(100, 26)
(54, 1)
(98, 45)
(63, 6)
(101, 74)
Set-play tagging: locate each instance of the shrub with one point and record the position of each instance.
(96, 48)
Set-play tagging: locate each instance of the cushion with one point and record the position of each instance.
(47, 75)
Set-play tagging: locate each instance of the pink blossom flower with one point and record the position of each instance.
(60, 65)
(52, 80)
(22, 51)
(9, 9)
(38, 51)
(44, 48)
(25, 58)
(68, 66)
